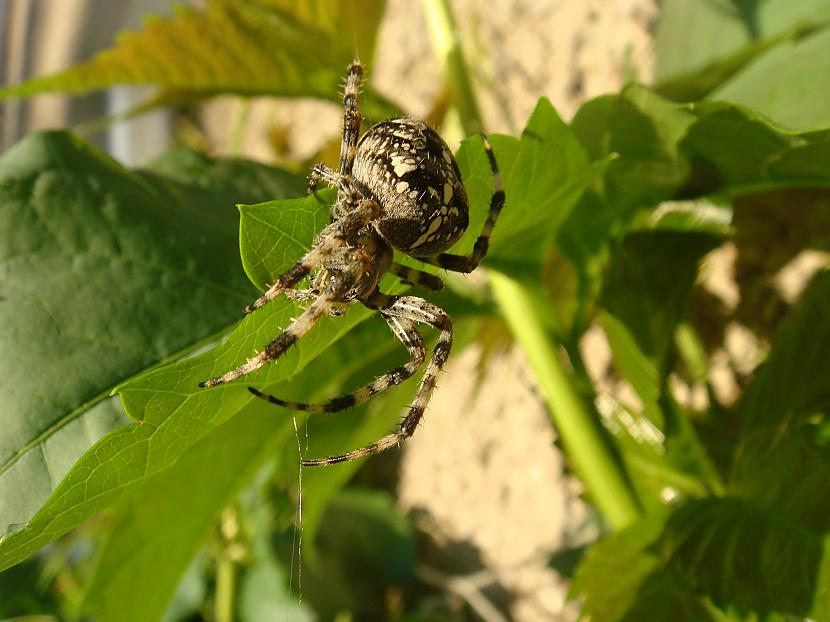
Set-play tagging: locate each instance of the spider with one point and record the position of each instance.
(397, 187)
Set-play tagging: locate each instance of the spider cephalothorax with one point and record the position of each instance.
(397, 187)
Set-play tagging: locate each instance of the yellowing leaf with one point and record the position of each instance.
(247, 47)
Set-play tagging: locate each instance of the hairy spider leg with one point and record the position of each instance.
(321, 172)
(334, 235)
(301, 295)
(299, 327)
(417, 277)
(405, 331)
(351, 118)
(461, 263)
(417, 310)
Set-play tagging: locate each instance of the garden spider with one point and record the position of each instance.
(397, 187)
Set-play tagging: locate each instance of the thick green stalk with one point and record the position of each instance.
(580, 432)
(225, 588)
(447, 45)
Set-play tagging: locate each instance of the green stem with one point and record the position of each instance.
(581, 433)
(225, 587)
(447, 45)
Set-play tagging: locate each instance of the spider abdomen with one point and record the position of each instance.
(411, 172)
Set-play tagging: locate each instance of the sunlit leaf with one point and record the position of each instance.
(701, 44)
(252, 47)
(544, 173)
(782, 83)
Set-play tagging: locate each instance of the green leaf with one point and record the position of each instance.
(129, 582)
(122, 580)
(255, 47)
(731, 551)
(634, 366)
(736, 142)
(649, 276)
(544, 174)
(209, 475)
(781, 460)
(737, 151)
(641, 133)
(697, 84)
(740, 553)
(699, 39)
(791, 387)
(644, 130)
(105, 273)
(731, 148)
(612, 571)
(273, 236)
(692, 35)
(782, 84)
(804, 164)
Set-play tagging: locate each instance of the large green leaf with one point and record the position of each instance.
(731, 551)
(700, 44)
(208, 476)
(731, 149)
(121, 578)
(691, 35)
(105, 273)
(253, 47)
(782, 84)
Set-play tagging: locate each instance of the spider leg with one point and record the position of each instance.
(351, 118)
(408, 335)
(299, 327)
(288, 279)
(417, 310)
(461, 263)
(334, 235)
(417, 277)
(301, 295)
(322, 173)
(278, 346)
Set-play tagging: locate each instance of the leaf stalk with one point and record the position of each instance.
(581, 433)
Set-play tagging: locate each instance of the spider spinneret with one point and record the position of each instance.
(398, 187)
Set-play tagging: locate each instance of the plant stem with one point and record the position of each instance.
(445, 40)
(581, 433)
(226, 565)
(225, 586)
